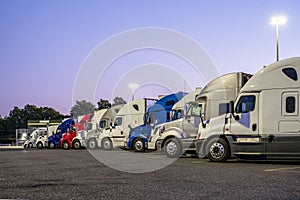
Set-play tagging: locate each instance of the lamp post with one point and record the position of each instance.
(133, 86)
(279, 20)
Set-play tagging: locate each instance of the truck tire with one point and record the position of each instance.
(92, 144)
(39, 145)
(106, 144)
(218, 150)
(51, 145)
(30, 145)
(172, 148)
(65, 145)
(139, 145)
(76, 144)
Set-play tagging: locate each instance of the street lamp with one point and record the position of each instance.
(133, 86)
(279, 20)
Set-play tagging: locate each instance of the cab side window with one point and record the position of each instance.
(118, 121)
(290, 101)
(290, 104)
(245, 104)
(102, 124)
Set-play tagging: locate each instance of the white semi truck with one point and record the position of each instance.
(31, 142)
(179, 136)
(166, 133)
(103, 121)
(79, 140)
(264, 120)
(130, 116)
(39, 137)
(42, 140)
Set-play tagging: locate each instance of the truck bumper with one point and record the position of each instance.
(186, 144)
(159, 145)
(200, 148)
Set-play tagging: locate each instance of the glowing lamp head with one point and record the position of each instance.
(279, 20)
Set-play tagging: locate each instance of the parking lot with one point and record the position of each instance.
(59, 174)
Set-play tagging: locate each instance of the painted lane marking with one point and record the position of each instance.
(281, 169)
(198, 162)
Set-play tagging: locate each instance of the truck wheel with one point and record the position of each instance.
(139, 145)
(30, 145)
(218, 150)
(173, 148)
(51, 145)
(76, 144)
(66, 145)
(39, 145)
(106, 144)
(92, 144)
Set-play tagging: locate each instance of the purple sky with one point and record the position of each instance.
(44, 43)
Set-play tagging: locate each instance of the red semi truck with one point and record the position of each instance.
(67, 138)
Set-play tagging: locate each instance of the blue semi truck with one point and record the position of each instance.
(156, 114)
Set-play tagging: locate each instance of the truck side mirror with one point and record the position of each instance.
(231, 110)
(202, 116)
(231, 107)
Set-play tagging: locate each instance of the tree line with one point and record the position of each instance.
(18, 117)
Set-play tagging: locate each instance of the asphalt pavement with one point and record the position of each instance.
(77, 174)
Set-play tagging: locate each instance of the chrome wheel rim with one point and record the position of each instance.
(171, 148)
(92, 144)
(139, 145)
(217, 150)
(66, 145)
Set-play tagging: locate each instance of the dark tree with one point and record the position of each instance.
(82, 108)
(102, 104)
(18, 118)
(118, 100)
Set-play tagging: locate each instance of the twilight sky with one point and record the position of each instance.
(45, 45)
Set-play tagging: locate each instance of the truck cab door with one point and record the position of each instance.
(286, 142)
(192, 120)
(244, 125)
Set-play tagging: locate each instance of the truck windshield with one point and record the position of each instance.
(177, 114)
(194, 110)
(102, 124)
(245, 104)
(89, 126)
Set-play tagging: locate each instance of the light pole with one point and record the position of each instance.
(133, 86)
(279, 20)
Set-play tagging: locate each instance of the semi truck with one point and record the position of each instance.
(130, 116)
(65, 126)
(42, 140)
(83, 121)
(176, 122)
(262, 123)
(79, 140)
(34, 135)
(179, 136)
(67, 138)
(98, 125)
(156, 114)
(72, 138)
